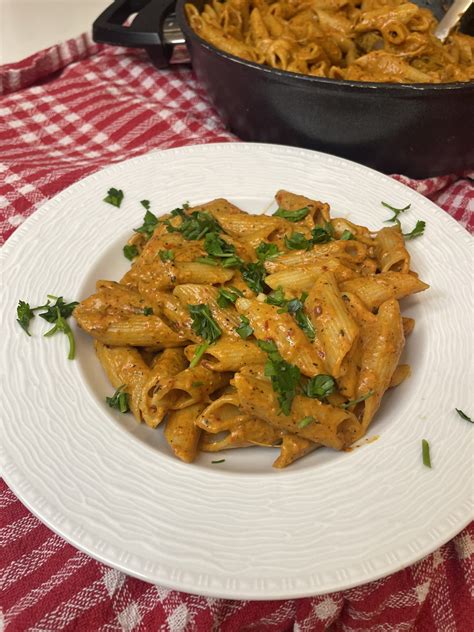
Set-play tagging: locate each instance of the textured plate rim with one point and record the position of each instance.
(21, 486)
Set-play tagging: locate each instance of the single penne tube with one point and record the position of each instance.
(194, 272)
(300, 279)
(228, 354)
(390, 250)
(137, 331)
(335, 328)
(125, 367)
(400, 375)
(243, 434)
(348, 377)
(253, 229)
(291, 342)
(348, 252)
(118, 316)
(176, 314)
(193, 294)
(376, 289)
(293, 448)
(169, 363)
(190, 387)
(382, 345)
(181, 432)
(331, 426)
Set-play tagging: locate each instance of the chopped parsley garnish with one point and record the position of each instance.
(219, 461)
(396, 212)
(194, 226)
(425, 452)
(244, 329)
(346, 235)
(254, 275)
(166, 255)
(200, 351)
(150, 222)
(114, 197)
(360, 399)
(203, 323)
(130, 251)
(119, 400)
(227, 296)
(323, 234)
(295, 307)
(56, 314)
(25, 314)
(277, 298)
(284, 377)
(220, 251)
(197, 384)
(60, 307)
(463, 415)
(145, 204)
(148, 311)
(208, 261)
(319, 386)
(266, 251)
(297, 241)
(417, 231)
(61, 325)
(292, 216)
(306, 421)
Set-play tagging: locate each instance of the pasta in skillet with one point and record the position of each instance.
(239, 330)
(360, 40)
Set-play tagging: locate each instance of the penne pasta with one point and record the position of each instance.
(335, 328)
(125, 368)
(168, 364)
(331, 426)
(291, 335)
(376, 289)
(228, 354)
(291, 342)
(181, 432)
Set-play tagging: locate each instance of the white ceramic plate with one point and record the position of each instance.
(238, 529)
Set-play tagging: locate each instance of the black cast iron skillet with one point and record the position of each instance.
(420, 130)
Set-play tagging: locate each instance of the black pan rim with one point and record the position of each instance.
(397, 89)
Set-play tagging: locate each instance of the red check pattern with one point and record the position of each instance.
(65, 113)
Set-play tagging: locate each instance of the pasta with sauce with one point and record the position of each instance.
(359, 40)
(239, 330)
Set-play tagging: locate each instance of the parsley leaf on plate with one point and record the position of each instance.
(114, 197)
(417, 231)
(396, 212)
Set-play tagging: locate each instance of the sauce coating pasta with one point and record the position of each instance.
(360, 40)
(240, 330)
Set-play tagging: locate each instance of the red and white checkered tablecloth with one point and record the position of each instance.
(65, 113)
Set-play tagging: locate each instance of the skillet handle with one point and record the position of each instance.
(146, 30)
